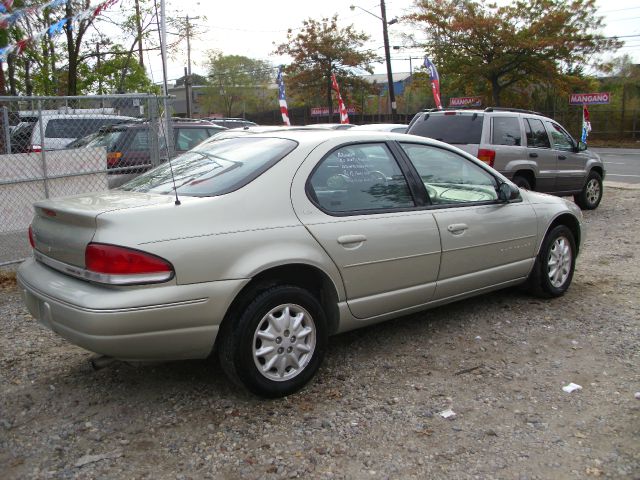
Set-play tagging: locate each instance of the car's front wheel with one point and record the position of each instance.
(553, 270)
(276, 345)
(591, 194)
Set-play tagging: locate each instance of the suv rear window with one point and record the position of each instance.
(506, 131)
(75, 127)
(215, 168)
(457, 129)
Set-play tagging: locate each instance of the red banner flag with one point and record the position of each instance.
(344, 116)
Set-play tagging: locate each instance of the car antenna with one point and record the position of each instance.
(166, 147)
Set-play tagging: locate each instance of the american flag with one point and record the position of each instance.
(344, 116)
(282, 98)
(435, 81)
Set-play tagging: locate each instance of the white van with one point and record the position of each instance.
(59, 130)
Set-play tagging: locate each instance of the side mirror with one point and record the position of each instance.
(506, 192)
(582, 146)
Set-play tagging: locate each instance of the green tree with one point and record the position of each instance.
(524, 42)
(236, 83)
(319, 49)
(106, 78)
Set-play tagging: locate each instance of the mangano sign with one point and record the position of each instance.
(600, 98)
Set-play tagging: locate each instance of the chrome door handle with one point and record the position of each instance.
(457, 228)
(350, 239)
(533, 155)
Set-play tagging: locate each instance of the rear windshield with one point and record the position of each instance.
(76, 127)
(457, 129)
(215, 168)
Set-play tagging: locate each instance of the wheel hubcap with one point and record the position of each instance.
(593, 191)
(559, 262)
(284, 342)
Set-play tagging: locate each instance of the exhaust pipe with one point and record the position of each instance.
(101, 361)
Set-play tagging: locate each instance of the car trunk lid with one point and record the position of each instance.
(62, 228)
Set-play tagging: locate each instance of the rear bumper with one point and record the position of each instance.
(161, 322)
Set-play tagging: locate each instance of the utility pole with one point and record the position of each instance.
(188, 81)
(387, 54)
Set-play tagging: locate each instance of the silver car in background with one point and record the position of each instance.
(261, 247)
(533, 151)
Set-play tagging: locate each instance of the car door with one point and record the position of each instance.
(356, 202)
(485, 242)
(539, 150)
(571, 164)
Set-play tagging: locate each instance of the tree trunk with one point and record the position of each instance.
(329, 102)
(28, 84)
(139, 29)
(496, 89)
(11, 69)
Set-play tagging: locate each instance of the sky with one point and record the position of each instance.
(250, 27)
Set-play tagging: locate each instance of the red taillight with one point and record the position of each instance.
(113, 158)
(31, 240)
(35, 148)
(115, 264)
(487, 156)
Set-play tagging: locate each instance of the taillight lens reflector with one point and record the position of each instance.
(487, 156)
(113, 158)
(35, 148)
(123, 265)
(31, 240)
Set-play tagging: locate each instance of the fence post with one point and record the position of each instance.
(154, 150)
(43, 155)
(635, 123)
(7, 129)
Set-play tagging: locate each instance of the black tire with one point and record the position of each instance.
(540, 282)
(240, 342)
(521, 182)
(591, 194)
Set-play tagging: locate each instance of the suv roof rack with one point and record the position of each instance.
(516, 110)
(429, 110)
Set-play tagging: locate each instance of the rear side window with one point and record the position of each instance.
(454, 128)
(536, 134)
(187, 138)
(359, 177)
(75, 127)
(215, 168)
(506, 131)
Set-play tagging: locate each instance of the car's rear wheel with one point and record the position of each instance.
(591, 194)
(553, 270)
(522, 182)
(276, 345)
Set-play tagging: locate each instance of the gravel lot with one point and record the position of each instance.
(498, 361)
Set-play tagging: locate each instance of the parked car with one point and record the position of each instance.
(231, 122)
(270, 243)
(128, 144)
(59, 130)
(533, 151)
(383, 127)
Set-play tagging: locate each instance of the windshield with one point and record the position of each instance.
(215, 168)
(105, 139)
(453, 128)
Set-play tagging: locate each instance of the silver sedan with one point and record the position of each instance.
(259, 248)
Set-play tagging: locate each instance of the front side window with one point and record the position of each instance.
(216, 168)
(506, 131)
(450, 178)
(561, 139)
(356, 178)
(536, 134)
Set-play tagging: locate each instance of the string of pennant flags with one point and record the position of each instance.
(8, 20)
(54, 29)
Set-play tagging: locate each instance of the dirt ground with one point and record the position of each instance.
(499, 362)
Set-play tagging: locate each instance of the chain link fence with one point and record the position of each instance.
(58, 146)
